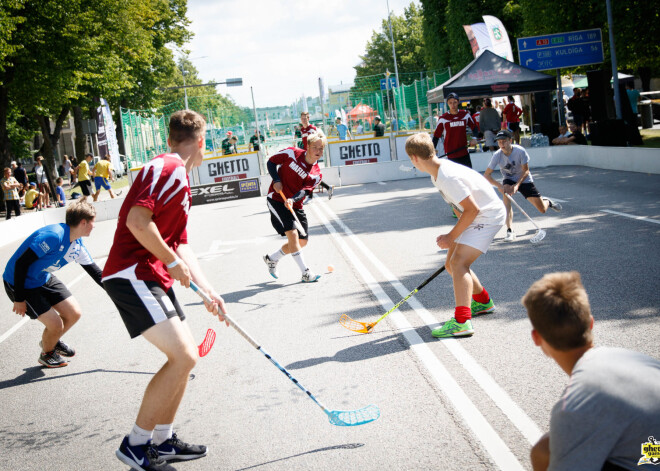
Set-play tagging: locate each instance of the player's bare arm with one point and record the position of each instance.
(218, 306)
(139, 221)
(488, 174)
(470, 211)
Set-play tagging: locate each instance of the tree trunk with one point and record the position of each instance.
(5, 144)
(645, 75)
(80, 135)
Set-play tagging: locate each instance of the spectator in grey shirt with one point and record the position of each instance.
(489, 123)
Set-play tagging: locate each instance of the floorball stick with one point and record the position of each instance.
(343, 418)
(366, 327)
(540, 235)
(207, 344)
(296, 221)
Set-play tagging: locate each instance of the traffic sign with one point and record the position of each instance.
(383, 83)
(556, 51)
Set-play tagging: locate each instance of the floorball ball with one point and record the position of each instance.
(331, 268)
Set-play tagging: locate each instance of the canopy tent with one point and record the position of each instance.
(491, 75)
(362, 111)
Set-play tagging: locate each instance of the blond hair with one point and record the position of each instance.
(317, 136)
(421, 146)
(558, 308)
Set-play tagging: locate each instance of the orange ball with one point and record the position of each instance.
(331, 268)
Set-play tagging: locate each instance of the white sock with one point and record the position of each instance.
(298, 257)
(162, 432)
(277, 256)
(139, 436)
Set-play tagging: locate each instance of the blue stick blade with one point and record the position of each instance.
(350, 418)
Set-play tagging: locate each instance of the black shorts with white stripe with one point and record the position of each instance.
(282, 219)
(142, 304)
(39, 300)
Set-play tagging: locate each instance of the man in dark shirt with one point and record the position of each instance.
(256, 140)
(379, 128)
(576, 136)
(229, 145)
(21, 176)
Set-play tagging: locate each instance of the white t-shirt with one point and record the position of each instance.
(456, 182)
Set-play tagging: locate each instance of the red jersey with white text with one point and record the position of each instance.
(453, 127)
(161, 186)
(511, 113)
(304, 132)
(475, 117)
(295, 174)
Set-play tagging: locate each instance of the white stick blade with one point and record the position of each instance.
(540, 235)
(350, 418)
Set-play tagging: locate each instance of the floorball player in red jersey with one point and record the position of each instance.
(295, 173)
(452, 127)
(149, 253)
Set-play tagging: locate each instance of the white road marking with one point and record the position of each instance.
(381, 183)
(631, 216)
(474, 419)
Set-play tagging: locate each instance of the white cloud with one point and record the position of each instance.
(282, 47)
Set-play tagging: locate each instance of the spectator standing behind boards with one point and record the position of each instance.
(21, 176)
(633, 96)
(229, 145)
(255, 141)
(379, 128)
(359, 128)
(476, 115)
(42, 180)
(576, 106)
(68, 169)
(84, 176)
(512, 114)
(342, 130)
(611, 406)
(564, 134)
(10, 188)
(61, 197)
(103, 171)
(489, 124)
(33, 198)
(586, 109)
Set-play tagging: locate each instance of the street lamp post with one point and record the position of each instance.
(183, 74)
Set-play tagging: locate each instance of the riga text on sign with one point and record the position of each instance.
(556, 51)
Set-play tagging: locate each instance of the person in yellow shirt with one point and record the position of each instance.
(33, 198)
(102, 172)
(83, 176)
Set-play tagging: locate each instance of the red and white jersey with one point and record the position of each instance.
(304, 132)
(161, 186)
(295, 174)
(453, 127)
(511, 113)
(475, 117)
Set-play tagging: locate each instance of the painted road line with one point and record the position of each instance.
(500, 397)
(22, 322)
(631, 216)
(474, 419)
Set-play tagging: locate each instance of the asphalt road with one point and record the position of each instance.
(475, 403)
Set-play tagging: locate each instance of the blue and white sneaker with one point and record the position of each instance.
(175, 449)
(142, 457)
(309, 277)
(272, 266)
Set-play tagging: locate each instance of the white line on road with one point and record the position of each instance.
(631, 216)
(492, 442)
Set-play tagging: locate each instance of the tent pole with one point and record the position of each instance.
(531, 113)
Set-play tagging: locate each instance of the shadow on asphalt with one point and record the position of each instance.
(348, 446)
(35, 374)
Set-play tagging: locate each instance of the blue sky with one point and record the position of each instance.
(282, 47)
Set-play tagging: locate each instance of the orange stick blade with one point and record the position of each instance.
(355, 326)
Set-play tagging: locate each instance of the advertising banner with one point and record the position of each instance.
(225, 191)
(229, 167)
(107, 136)
(360, 151)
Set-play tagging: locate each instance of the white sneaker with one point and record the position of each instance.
(309, 277)
(554, 205)
(510, 236)
(272, 266)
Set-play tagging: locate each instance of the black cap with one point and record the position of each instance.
(452, 95)
(503, 134)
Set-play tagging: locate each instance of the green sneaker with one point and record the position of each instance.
(478, 308)
(451, 328)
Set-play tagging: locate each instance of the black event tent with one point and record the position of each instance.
(491, 75)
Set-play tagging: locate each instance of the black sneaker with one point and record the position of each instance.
(175, 449)
(61, 348)
(142, 457)
(52, 360)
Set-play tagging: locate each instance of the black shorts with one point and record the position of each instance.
(528, 190)
(40, 300)
(514, 126)
(86, 187)
(142, 304)
(465, 160)
(282, 219)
